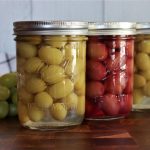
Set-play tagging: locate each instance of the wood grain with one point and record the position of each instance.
(132, 133)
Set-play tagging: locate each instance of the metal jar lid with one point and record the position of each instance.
(143, 28)
(112, 28)
(50, 28)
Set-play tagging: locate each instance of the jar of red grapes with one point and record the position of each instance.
(141, 94)
(109, 71)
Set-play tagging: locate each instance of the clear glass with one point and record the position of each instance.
(109, 76)
(51, 87)
(142, 73)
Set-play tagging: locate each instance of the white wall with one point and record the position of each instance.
(88, 10)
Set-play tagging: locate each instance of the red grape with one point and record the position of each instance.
(97, 51)
(110, 105)
(94, 89)
(95, 70)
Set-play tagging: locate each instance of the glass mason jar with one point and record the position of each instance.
(141, 99)
(109, 71)
(51, 70)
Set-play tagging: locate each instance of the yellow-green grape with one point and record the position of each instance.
(61, 89)
(56, 41)
(26, 50)
(25, 96)
(81, 105)
(137, 96)
(4, 93)
(50, 55)
(52, 74)
(71, 101)
(70, 51)
(59, 111)
(139, 81)
(81, 52)
(35, 85)
(142, 61)
(144, 46)
(74, 67)
(35, 113)
(33, 65)
(43, 100)
(80, 84)
(22, 112)
(147, 89)
(146, 74)
(34, 39)
(57, 44)
(9, 80)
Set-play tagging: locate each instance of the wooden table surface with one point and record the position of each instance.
(132, 133)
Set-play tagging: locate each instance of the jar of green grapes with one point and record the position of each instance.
(142, 68)
(51, 73)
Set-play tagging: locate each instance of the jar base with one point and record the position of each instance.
(105, 118)
(44, 126)
(141, 107)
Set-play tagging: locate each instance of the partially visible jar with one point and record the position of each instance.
(51, 71)
(109, 71)
(142, 68)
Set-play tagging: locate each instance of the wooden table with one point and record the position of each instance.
(131, 133)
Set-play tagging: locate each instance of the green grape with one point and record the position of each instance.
(137, 96)
(139, 81)
(147, 89)
(81, 105)
(81, 53)
(35, 113)
(80, 84)
(58, 111)
(56, 44)
(12, 110)
(61, 89)
(9, 80)
(33, 65)
(142, 61)
(144, 46)
(4, 93)
(22, 112)
(146, 74)
(13, 90)
(26, 50)
(70, 51)
(52, 74)
(50, 55)
(35, 85)
(14, 98)
(43, 100)
(71, 101)
(4, 108)
(56, 41)
(74, 67)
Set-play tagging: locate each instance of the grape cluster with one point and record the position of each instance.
(8, 95)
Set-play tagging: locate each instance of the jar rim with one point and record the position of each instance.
(111, 28)
(53, 27)
(143, 27)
